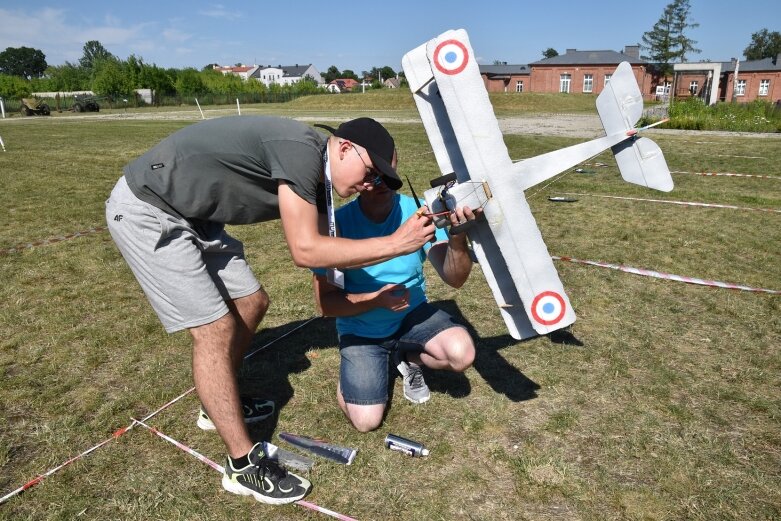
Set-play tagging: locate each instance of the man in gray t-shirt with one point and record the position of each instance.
(167, 216)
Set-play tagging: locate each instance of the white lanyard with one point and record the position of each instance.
(333, 275)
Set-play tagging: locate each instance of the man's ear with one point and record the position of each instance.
(344, 147)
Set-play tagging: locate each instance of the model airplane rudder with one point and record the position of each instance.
(620, 106)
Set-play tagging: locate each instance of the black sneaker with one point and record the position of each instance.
(264, 479)
(255, 410)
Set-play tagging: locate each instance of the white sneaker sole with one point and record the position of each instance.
(420, 400)
(235, 488)
(207, 425)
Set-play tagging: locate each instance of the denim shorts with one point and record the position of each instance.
(363, 371)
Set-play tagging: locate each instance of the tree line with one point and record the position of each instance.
(24, 70)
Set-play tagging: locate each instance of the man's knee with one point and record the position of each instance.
(460, 351)
(260, 301)
(251, 308)
(365, 418)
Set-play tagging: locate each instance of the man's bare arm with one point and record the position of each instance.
(334, 302)
(310, 249)
(452, 259)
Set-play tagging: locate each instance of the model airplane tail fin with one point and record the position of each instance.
(620, 106)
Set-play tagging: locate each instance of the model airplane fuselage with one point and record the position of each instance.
(460, 123)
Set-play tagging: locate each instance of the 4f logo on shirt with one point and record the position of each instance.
(118, 218)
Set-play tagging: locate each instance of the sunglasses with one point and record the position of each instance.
(372, 176)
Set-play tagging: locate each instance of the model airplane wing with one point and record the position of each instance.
(458, 117)
(466, 138)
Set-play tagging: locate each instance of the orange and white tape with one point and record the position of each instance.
(668, 276)
(684, 203)
(52, 240)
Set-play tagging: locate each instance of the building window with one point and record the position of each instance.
(607, 78)
(564, 82)
(764, 87)
(519, 86)
(693, 87)
(588, 83)
(740, 88)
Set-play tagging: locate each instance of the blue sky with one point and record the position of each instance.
(361, 35)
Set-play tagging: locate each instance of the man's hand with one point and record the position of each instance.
(393, 296)
(414, 233)
(462, 215)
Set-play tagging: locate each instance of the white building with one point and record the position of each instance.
(289, 74)
(244, 72)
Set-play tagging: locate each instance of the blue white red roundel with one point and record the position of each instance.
(451, 57)
(548, 308)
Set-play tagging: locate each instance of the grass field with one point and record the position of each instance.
(671, 408)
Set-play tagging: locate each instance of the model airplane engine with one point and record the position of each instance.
(446, 195)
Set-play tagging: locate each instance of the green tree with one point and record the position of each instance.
(14, 87)
(219, 83)
(667, 42)
(764, 44)
(68, 77)
(331, 74)
(381, 73)
(348, 73)
(24, 62)
(111, 79)
(307, 85)
(157, 79)
(132, 68)
(189, 83)
(550, 52)
(94, 52)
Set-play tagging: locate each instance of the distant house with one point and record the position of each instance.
(506, 78)
(269, 75)
(741, 81)
(756, 79)
(589, 71)
(342, 85)
(289, 74)
(280, 75)
(244, 72)
(391, 83)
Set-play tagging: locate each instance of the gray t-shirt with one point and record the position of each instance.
(227, 170)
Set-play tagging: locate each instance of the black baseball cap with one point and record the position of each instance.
(372, 136)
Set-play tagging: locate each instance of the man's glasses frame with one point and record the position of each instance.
(372, 176)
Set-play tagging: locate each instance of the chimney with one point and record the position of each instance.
(570, 51)
(633, 51)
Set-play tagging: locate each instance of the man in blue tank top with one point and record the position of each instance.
(383, 312)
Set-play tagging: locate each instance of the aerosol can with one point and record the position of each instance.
(403, 445)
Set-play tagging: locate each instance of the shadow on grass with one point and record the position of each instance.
(275, 354)
(266, 373)
(502, 376)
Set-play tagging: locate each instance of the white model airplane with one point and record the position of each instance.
(477, 171)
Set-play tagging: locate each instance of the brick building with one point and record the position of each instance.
(588, 71)
(505, 78)
(756, 79)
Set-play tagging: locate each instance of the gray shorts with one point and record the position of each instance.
(187, 268)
